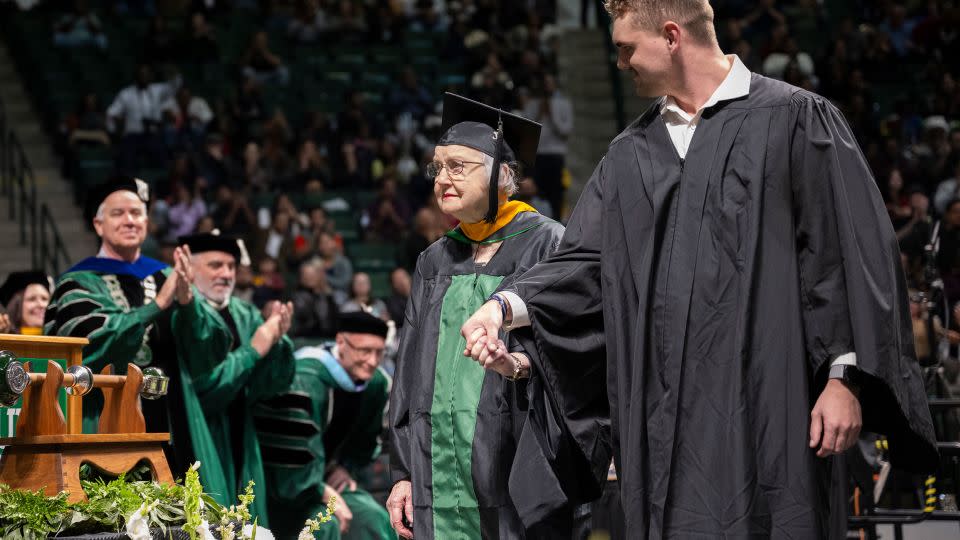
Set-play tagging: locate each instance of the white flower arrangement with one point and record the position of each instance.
(138, 526)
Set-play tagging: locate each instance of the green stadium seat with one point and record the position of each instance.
(373, 256)
(379, 284)
(262, 200)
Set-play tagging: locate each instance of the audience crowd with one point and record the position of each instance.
(240, 164)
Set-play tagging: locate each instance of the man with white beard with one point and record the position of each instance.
(230, 359)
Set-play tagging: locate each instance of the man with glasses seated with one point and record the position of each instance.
(325, 428)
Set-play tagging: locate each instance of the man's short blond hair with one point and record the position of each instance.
(694, 16)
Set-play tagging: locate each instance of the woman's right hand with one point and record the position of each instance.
(400, 506)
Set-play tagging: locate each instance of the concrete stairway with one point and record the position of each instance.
(52, 189)
(585, 78)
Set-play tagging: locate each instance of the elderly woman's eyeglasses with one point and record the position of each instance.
(454, 167)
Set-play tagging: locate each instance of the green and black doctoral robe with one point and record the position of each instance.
(455, 427)
(321, 420)
(223, 379)
(111, 303)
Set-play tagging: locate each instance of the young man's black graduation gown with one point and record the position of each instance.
(724, 285)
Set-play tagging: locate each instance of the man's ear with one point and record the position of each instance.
(672, 33)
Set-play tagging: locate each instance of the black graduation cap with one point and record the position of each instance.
(361, 322)
(19, 281)
(118, 183)
(213, 241)
(503, 136)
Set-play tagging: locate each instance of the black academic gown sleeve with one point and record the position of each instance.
(564, 449)
(399, 405)
(852, 286)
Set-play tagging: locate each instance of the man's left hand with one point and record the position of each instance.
(835, 420)
(340, 480)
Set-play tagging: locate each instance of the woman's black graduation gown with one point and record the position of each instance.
(454, 427)
(727, 282)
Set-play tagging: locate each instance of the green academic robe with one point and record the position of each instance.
(223, 380)
(111, 303)
(311, 426)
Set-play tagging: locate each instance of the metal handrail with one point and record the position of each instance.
(37, 228)
(49, 257)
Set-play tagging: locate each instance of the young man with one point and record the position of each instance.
(324, 429)
(733, 256)
(230, 360)
(121, 301)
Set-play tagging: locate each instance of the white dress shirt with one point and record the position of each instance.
(681, 127)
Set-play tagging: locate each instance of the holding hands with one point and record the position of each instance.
(484, 345)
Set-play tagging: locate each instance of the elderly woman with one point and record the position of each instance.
(25, 296)
(454, 428)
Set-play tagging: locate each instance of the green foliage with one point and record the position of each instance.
(192, 496)
(27, 515)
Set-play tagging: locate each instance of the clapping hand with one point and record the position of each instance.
(183, 271)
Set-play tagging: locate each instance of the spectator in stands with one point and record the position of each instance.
(205, 225)
(349, 21)
(135, 116)
(277, 161)
(899, 29)
(268, 283)
(308, 24)
(248, 108)
(315, 309)
(277, 241)
(948, 258)
(897, 200)
(262, 64)
(424, 233)
(387, 26)
(254, 172)
(79, 28)
(319, 223)
(199, 45)
(214, 166)
(947, 190)
(491, 84)
(776, 63)
(527, 192)
(24, 296)
(318, 129)
(554, 111)
(185, 212)
(428, 17)
(89, 124)
(160, 46)
(388, 214)
(244, 288)
(362, 300)
(400, 284)
(188, 117)
(409, 96)
(915, 234)
(310, 164)
(231, 212)
(339, 269)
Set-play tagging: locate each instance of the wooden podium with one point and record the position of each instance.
(47, 450)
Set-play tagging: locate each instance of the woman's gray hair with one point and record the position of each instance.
(509, 175)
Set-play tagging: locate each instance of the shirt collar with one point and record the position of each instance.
(735, 85)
